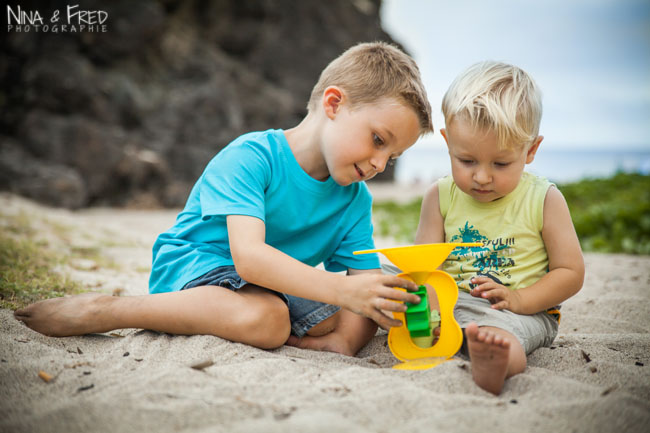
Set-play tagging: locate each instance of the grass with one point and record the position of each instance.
(610, 215)
(28, 268)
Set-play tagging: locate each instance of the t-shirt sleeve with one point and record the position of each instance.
(358, 237)
(234, 182)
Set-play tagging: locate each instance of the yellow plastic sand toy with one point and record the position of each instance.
(419, 264)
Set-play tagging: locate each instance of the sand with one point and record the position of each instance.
(595, 377)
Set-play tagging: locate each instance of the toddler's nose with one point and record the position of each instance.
(482, 176)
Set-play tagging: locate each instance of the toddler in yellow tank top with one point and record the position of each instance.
(530, 260)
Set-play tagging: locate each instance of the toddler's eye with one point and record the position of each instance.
(466, 161)
(377, 140)
(502, 164)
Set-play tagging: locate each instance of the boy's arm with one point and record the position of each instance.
(431, 228)
(366, 294)
(350, 335)
(565, 263)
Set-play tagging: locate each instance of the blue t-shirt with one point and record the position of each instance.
(257, 175)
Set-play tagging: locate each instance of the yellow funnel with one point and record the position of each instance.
(419, 258)
(418, 263)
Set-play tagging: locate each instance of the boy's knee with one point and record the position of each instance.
(268, 325)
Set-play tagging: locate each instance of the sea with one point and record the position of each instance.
(426, 164)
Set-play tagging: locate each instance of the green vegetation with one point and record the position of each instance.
(610, 215)
(398, 221)
(27, 267)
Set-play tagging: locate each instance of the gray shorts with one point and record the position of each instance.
(533, 331)
(304, 314)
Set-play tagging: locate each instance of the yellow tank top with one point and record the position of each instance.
(513, 252)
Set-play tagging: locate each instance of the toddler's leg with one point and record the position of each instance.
(252, 315)
(495, 355)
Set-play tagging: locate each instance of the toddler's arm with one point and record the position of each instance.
(366, 294)
(565, 264)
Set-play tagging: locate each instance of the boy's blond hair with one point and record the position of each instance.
(370, 71)
(498, 97)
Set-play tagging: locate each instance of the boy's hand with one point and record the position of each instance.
(499, 295)
(370, 293)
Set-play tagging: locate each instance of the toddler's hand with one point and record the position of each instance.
(499, 295)
(369, 294)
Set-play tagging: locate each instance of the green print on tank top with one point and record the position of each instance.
(489, 260)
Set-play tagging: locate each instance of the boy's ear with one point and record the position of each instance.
(532, 150)
(332, 99)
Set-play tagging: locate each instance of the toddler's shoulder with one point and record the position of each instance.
(445, 186)
(442, 191)
(533, 181)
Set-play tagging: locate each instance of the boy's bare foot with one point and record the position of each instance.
(328, 343)
(489, 353)
(62, 317)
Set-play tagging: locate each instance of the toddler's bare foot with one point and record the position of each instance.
(489, 354)
(62, 317)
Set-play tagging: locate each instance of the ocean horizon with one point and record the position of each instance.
(426, 164)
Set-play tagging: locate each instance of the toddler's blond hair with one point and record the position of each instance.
(371, 71)
(498, 97)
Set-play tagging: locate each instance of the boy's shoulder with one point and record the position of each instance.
(251, 149)
(257, 139)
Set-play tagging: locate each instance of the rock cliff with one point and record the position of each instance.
(130, 116)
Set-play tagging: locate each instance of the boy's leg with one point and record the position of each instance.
(351, 333)
(251, 315)
(495, 354)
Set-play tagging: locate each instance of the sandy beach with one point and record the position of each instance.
(595, 377)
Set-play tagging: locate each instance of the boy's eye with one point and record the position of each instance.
(502, 164)
(466, 161)
(377, 140)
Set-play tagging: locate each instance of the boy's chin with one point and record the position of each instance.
(345, 181)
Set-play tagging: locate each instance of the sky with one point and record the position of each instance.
(591, 59)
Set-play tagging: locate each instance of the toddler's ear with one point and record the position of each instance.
(443, 132)
(532, 150)
(332, 99)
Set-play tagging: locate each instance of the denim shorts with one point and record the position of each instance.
(303, 313)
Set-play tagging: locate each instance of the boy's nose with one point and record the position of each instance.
(379, 162)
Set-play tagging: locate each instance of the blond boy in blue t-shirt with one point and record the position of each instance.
(530, 260)
(240, 261)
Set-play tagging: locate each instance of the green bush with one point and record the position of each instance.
(610, 215)
(398, 221)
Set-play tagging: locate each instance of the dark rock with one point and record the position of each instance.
(131, 116)
(50, 183)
